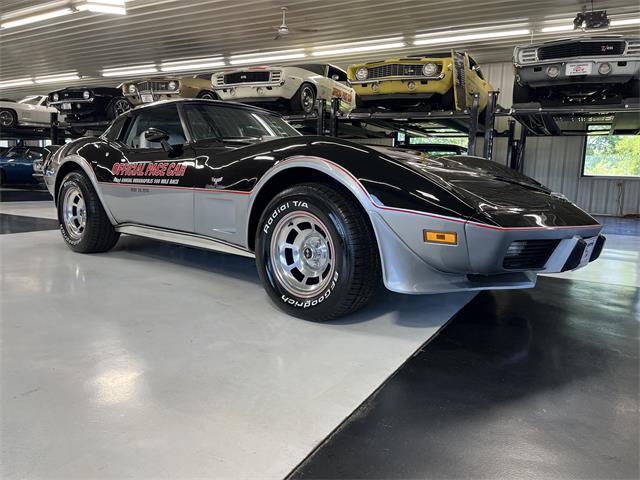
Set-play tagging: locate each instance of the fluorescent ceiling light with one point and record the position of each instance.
(261, 58)
(193, 64)
(133, 70)
(626, 21)
(101, 8)
(58, 77)
(451, 37)
(16, 83)
(36, 18)
(557, 28)
(386, 44)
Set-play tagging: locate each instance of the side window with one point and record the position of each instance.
(342, 76)
(164, 118)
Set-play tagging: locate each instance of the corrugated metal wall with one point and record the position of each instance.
(557, 161)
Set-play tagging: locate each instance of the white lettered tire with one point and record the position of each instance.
(316, 252)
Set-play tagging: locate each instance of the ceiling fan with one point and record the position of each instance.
(283, 30)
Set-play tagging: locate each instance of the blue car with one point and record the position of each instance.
(16, 165)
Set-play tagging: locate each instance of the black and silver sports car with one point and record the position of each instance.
(325, 218)
(89, 104)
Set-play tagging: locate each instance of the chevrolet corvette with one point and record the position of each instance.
(325, 219)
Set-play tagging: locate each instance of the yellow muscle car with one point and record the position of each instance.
(160, 88)
(446, 80)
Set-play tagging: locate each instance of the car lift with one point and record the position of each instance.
(467, 120)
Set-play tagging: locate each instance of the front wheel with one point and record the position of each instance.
(304, 100)
(316, 253)
(117, 107)
(207, 95)
(8, 118)
(84, 224)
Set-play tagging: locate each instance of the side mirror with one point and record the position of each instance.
(156, 135)
(335, 77)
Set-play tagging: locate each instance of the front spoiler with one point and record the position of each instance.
(412, 266)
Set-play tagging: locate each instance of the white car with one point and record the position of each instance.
(296, 86)
(31, 111)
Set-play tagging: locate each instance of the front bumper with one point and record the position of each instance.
(81, 110)
(623, 70)
(380, 87)
(266, 92)
(136, 98)
(410, 265)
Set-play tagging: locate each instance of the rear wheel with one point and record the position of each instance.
(316, 253)
(8, 118)
(304, 100)
(84, 224)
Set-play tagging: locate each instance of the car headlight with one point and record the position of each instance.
(86, 94)
(429, 69)
(604, 68)
(173, 85)
(553, 71)
(56, 97)
(362, 73)
(132, 89)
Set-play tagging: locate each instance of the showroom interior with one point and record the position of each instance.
(319, 239)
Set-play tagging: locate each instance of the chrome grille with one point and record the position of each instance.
(246, 77)
(577, 49)
(396, 70)
(71, 94)
(147, 86)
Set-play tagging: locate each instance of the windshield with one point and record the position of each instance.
(31, 100)
(217, 121)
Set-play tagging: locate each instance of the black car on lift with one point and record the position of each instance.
(86, 105)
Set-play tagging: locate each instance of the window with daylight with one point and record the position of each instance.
(611, 155)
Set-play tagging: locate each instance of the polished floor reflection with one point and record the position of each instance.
(157, 361)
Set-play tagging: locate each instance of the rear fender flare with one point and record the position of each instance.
(88, 171)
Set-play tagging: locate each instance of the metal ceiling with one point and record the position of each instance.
(162, 30)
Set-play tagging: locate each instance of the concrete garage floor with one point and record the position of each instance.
(158, 361)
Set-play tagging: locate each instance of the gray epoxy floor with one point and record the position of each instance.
(157, 361)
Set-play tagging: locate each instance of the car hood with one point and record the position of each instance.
(493, 190)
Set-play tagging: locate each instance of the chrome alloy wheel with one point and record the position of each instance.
(302, 254)
(74, 214)
(121, 106)
(307, 98)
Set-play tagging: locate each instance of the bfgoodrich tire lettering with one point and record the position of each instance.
(84, 224)
(316, 253)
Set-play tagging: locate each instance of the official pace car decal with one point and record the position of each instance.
(155, 173)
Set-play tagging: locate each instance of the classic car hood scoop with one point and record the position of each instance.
(483, 183)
